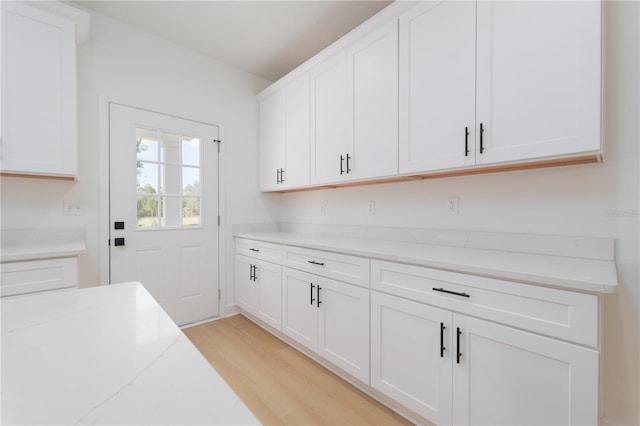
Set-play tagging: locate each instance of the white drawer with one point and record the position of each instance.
(38, 275)
(351, 269)
(557, 313)
(259, 250)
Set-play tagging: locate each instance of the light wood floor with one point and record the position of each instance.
(279, 384)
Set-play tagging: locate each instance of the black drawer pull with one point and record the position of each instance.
(442, 348)
(313, 262)
(442, 290)
(252, 249)
(312, 299)
(458, 354)
(318, 294)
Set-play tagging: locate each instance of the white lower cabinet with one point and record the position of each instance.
(329, 317)
(452, 368)
(258, 289)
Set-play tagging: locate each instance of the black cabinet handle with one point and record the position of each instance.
(250, 272)
(312, 299)
(254, 268)
(466, 141)
(277, 176)
(252, 249)
(319, 301)
(442, 348)
(348, 169)
(442, 290)
(341, 168)
(458, 354)
(481, 140)
(313, 262)
(281, 175)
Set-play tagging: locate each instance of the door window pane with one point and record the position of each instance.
(190, 151)
(147, 145)
(147, 211)
(168, 180)
(169, 148)
(170, 214)
(191, 181)
(190, 211)
(147, 178)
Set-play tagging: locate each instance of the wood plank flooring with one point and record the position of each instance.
(279, 384)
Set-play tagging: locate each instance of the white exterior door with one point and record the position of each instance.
(437, 86)
(344, 327)
(538, 78)
(164, 209)
(510, 377)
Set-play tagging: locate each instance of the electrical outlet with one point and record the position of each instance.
(453, 205)
(371, 208)
(323, 209)
(72, 208)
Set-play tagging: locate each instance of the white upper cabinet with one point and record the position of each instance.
(372, 65)
(39, 105)
(354, 103)
(522, 85)
(437, 86)
(330, 147)
(539, 79)
(284, 137)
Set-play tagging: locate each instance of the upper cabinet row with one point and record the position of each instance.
(444, 86)
(39, 95)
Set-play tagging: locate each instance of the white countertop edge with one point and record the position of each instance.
(604, 268)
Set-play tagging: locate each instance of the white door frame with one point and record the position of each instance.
(104, 196)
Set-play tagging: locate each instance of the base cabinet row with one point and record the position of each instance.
(441, 364)
(455, 369)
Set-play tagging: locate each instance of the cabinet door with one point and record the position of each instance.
(344, 327)
(300, 307)
(373, 103)
(407, 360)
(245, 286)
(272, 140)
(39, 122)
(329, 120)
(296, 168)
(507, 377)
(437, 86)
(538, 78)
(268, 305)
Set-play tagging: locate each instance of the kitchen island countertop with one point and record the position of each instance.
(106, 355)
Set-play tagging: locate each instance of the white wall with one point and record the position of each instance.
(125, 65)
(590, 200)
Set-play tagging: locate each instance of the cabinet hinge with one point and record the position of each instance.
(218, 142)
(109, 242)
(218, 220)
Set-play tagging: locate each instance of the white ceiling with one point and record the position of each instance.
(265, 38)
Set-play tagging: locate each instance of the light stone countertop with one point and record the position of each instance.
(550, 263)
(106, 355)
(34, 244)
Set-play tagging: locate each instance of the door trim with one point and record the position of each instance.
(104, 202)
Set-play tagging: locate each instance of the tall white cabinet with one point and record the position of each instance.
(39, 95)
